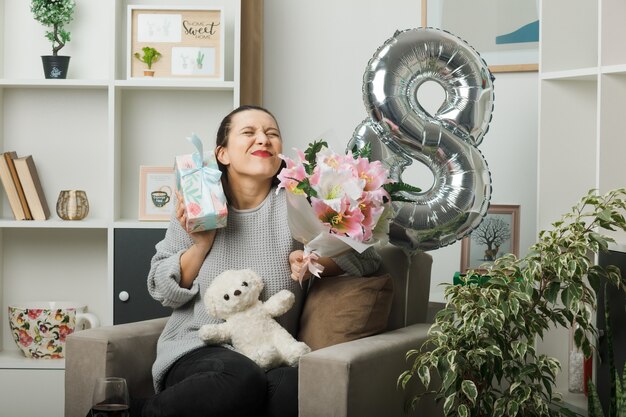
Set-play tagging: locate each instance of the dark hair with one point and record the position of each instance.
(221, 139)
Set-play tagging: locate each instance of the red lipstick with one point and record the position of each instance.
(262, 154)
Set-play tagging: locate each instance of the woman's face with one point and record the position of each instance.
(252, 147)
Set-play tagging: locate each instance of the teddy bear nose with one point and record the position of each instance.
(237, 292)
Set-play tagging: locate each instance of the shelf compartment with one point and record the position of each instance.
(67, 155)
(568, 133)
(54, 265)
(89, 48)
(612, 144)
(570, 40)
(187, 112)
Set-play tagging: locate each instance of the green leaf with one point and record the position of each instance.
(364, 152)
(396, 188)
(512, 408)
(311, 152)
(498, 407)
(594, 406)
(463, 411)
(448, 404)
(494, 350)
(305, 186)
(598, 238)
(552, 291)
(404, 378)
(514, 306)
(566, 297)
(448, 379)
(424, 374)
(469, 389)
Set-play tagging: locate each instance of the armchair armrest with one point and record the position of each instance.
(358, 378)
(125, 350)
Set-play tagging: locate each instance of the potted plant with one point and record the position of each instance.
(150, 56)
(55, 15)
(199, 59)
(481, 344)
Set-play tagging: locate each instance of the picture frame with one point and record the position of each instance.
(190, 40)
(504, 32)
(497, 235)
(156, 186)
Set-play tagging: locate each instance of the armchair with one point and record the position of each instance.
(352, 379)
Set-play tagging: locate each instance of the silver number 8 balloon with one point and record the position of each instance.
(401, 131)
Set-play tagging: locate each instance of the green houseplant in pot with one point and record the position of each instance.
(481, 345)
(55, 15)
(149, 57)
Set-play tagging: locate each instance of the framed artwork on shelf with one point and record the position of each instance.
(504, 32)
(156, 185)
(497, 235)
(190, 41)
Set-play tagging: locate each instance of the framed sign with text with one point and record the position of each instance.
(190, 42)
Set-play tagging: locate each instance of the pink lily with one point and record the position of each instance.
(346, 221)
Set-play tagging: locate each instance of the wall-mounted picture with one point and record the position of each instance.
(497, 235)
(504, 32)
(189, 41)
(156, 185)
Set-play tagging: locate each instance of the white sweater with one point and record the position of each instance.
(258, 239)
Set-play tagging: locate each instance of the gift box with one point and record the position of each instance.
(198, 180)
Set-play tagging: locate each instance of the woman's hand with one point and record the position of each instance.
(203, 240)
(296, 261)
(299, 266)
(191, 261)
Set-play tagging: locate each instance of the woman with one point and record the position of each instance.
(194, 379)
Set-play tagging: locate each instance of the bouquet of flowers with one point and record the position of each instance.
(337, 202)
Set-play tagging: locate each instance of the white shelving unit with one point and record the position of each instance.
(91, 131)
(581, 144)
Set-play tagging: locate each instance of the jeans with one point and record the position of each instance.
(214, 381)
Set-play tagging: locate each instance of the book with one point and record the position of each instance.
(9, 157)
(33, 190)
(10, 187)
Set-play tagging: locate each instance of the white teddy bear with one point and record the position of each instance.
(249, 325)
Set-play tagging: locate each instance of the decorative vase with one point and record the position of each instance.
(55, 66)
(72, 205)
(576, 369)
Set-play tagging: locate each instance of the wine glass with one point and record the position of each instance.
(110, 398)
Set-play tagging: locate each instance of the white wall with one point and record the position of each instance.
(315, 56)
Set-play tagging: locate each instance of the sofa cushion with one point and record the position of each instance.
(345, 308)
